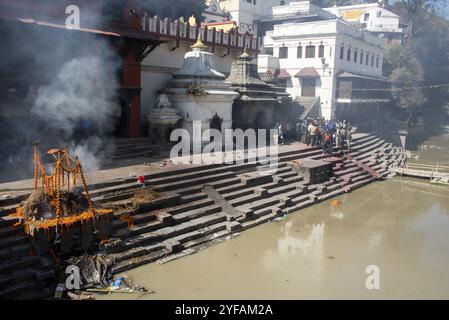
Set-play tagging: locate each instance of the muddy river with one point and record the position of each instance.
(400, 226)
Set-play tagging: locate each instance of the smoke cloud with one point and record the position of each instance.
(67, 97)
(81, 105)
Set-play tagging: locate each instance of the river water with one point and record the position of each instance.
(401, 226)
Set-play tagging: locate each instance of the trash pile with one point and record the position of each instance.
(93, 275)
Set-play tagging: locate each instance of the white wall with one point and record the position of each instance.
(247, 13)
(388, 21)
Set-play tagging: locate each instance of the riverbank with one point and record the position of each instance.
(186, 218)
(321, 252)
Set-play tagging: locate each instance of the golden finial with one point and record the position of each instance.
(199, 44)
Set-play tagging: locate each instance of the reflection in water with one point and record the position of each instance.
(290, 243)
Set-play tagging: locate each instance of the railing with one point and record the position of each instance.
(425, 170)
(437, 168)
(183, 31)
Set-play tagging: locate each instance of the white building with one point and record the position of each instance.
(247, 13)
(324, 59)
(374, 18)
(214, 12)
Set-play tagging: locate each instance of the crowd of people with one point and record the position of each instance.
(320, 132)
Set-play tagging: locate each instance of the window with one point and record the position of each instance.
(377, 62)
(379, 14)
(366, 17)
(268, 51)
(299, 52)
(310, 52)
(356, 54)
(367, 59)
(320, 51)
(372, 61)
(361, 57)
(342, 52)
(348, 56)
(283, 53)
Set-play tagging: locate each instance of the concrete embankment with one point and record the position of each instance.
(197, 207)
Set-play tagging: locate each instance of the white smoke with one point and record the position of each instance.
(81, 105)
(88, 153)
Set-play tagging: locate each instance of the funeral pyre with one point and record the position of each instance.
(59, 214)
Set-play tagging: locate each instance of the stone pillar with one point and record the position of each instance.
(131, 81)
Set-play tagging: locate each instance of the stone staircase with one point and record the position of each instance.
(128, 148)
(185, 219)
(309, 105)
(296, 111)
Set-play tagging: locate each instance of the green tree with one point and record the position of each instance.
(429, 42)
(405, 70)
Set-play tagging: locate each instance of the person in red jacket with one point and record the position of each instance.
(327, 142)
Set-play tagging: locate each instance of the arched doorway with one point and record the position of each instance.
(260, 121)
(216, 122)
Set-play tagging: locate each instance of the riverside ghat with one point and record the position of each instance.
(181, 208)
(185, 216)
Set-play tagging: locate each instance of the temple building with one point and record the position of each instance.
(200, 94)
(258, 105)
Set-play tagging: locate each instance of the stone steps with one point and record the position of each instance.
(194, 181)
(15, 290)
(13, 240)
(172, 231)
(221, 184)
(18, 262)
(8, 221)
(134, 154)
(16, 250)
(193, 197)
(16, 276)
(252, 223)
(240, 201)
(198, 213)
(10, 231)
(190, 206)
(188, 176)
(132, 148)
(243, 192)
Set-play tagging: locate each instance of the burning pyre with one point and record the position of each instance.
(60, 200)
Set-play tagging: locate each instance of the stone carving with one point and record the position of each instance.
(162, 119)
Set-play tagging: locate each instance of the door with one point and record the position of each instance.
(308, 87)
